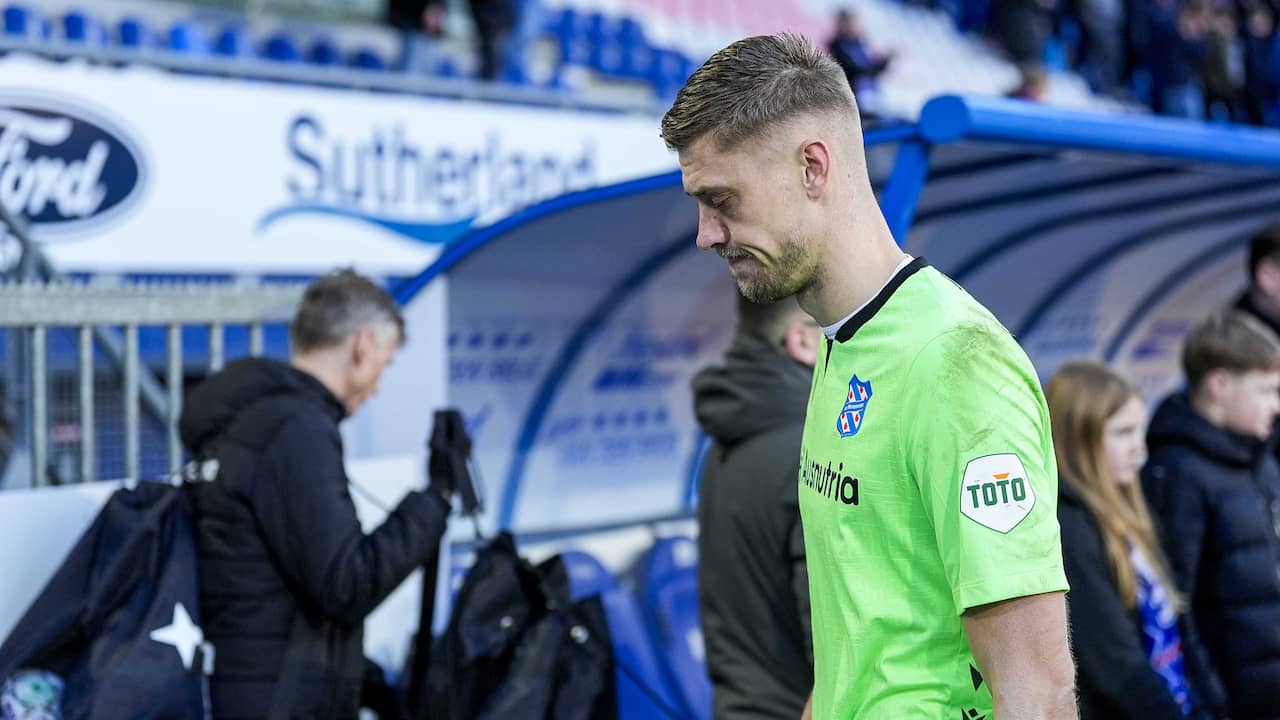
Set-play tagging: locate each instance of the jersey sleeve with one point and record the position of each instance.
(975, 435)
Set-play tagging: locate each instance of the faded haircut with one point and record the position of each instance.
(754, 85)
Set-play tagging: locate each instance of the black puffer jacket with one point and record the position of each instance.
(278, 535)
(754, 591)
(1115, 676)
(1214, 492)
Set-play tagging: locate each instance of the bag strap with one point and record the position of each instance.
(290, 679)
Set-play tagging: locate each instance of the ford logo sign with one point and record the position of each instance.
(59, 168)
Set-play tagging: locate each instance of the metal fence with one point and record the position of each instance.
(106, 363)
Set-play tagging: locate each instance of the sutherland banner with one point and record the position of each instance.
(137, 169)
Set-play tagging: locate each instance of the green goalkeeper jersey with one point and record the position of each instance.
(927, 486)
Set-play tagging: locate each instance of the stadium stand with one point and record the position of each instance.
(594, 48)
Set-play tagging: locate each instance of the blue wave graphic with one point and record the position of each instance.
(429, 233)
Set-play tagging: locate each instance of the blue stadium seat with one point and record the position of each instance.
(281, 48)
(669, 586)
(636, 53)
(324, 52)
(447, 68)
(643, 691)
(599, 28)
(604, 45)
(21, 21)
(133, 33)
(668, 70)
(608, 58)
(187, 37)
(367, 59)
(587, 576)
(571, 34)
(78, 27)
(557, 82)
(630, 32)
(514, 75)
(636, 61)
(16, 18)
(553, 19)
(234, 41)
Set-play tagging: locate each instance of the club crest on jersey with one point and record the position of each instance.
(854, 411)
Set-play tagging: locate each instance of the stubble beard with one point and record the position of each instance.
(793, 273)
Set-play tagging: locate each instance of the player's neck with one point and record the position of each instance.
(855, 266)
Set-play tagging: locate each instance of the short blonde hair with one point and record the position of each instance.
(753, 85)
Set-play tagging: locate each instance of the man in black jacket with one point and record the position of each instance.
(751, 571)
(1261, 298)
(286, 574)
(494, 21)
(1215, 491)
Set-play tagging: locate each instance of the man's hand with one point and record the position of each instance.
(1024, 655)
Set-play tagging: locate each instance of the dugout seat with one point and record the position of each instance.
(669, 586)
(643, 689)
(79, 27)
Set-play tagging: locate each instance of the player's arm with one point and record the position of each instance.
(978, 443)
(1022, 650)
(808, 708)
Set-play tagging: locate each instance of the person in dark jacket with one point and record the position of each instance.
(1262, 297)
(286, 574)
(1215, 490)
(1261, 63)
(1137, 653)
(751, 571)
(1175, 45)
(849, 48)
(494, 22)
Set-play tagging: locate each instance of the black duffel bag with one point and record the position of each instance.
(518, 646)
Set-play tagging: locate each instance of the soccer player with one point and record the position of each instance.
(928, 485)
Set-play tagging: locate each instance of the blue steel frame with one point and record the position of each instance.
(943, 120)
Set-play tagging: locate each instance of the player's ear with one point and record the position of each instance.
(1267, 277)
(817, 167)
(1214, 386)
(801, 342)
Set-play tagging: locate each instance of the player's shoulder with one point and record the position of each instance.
(953, 329)
(939, 309)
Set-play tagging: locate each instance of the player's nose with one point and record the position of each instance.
(711, 232)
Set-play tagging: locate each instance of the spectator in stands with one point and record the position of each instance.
(1222, 68)
(1262, 65)
(1175, 45)
(1022, 27)
(1102, 23)
(1261, 298)
(1215, 491)
(287, 576)
(753, 585)
(862, 65)
(421, 24)
(494, 21)
(1137, 653)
